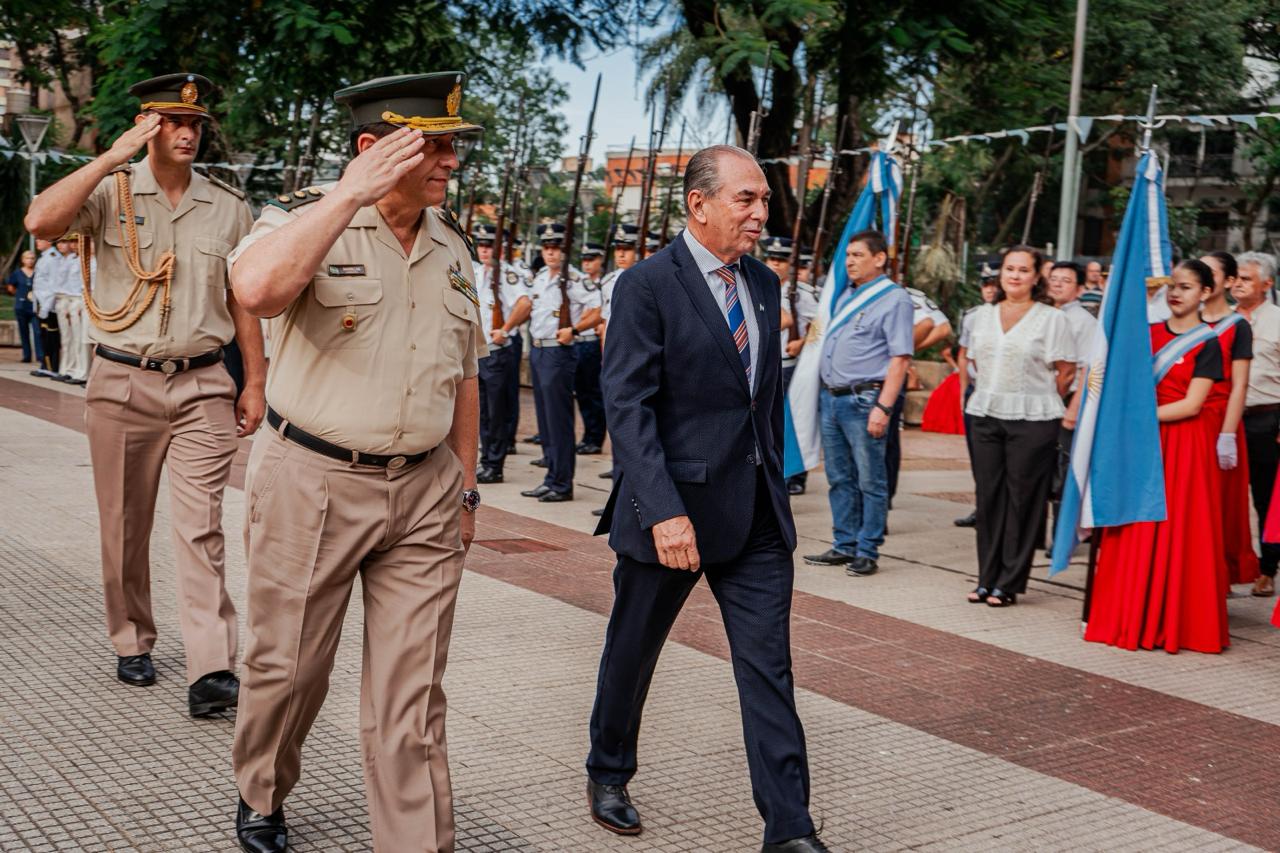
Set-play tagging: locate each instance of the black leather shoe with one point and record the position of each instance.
(213, 693)
(136, 670)
(795, 488)
(808, 844)
(537, 492)
(585, 449)
(830, 557)
(611, 808)
(598, 512)
(259, 833)
(970, 520)
(489, 476)
(861, 567)
(533, 439)
(554, 497)
(605, 475)
(540, 462)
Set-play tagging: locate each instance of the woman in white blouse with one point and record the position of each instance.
(1022, 350)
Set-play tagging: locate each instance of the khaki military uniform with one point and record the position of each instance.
(367, 358)
(137, 420)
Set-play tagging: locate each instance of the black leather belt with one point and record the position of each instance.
(333, 451)
(846, 390)
(1261, 409)
(167, 366)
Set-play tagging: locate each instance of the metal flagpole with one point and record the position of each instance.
(1070, 156)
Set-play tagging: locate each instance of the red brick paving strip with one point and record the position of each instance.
(1200, 765)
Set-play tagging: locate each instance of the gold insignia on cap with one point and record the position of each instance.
(190, 92)
(454, 100)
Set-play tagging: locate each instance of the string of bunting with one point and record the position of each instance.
(8, 151)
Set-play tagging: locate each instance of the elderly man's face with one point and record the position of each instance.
(731, 221)
(1250, 287)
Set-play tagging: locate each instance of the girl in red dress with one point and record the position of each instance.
(944, 412)
(1226, 401)
(1161, 584)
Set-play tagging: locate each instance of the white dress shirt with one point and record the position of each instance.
(751, 311)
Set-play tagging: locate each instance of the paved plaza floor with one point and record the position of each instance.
(931, 724)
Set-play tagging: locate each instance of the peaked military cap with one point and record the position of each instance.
(988, 273)
(174, 94)
(551, 232)
(806, 254)
(483, 232)
(592, 250)
(425, 102)
(627, 235)
(651, 242)
(777, 247)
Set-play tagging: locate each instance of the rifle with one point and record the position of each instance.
(565, 320)
(671, 185)
(832, 172)
(617, 200)
(802, 184)
(760, 113)
(516, 156)
(495, 260)
(651, 169)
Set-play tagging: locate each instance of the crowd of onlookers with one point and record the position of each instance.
(47, 286)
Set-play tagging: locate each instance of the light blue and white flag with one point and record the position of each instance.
(802, 435)
(1117, 475)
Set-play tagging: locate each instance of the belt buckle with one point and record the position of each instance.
(396, 463)
(168, 367)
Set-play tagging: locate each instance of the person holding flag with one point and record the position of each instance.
(1161, 584)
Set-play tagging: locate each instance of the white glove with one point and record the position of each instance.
(1227, 457)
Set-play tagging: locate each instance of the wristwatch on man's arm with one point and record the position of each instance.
(470, 500)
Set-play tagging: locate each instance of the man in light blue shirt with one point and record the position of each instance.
(863, 367)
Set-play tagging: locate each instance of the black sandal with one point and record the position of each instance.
(998, 598)
(979, 595)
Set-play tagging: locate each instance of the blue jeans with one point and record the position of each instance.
(857, 476)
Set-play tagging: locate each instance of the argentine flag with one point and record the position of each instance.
(802, 433)
(1117, 475)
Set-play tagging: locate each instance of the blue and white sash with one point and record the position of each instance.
(1172, 352)
(1228, 322)
(865, 296)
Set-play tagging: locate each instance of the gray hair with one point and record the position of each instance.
(1265, 263)
(703, 170)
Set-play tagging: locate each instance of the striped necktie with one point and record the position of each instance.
(737, 321)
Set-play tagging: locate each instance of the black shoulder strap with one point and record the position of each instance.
(298, 198)
(451, 219)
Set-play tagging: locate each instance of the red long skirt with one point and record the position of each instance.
(945, 411)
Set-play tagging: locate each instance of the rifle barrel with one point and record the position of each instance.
(584, 149)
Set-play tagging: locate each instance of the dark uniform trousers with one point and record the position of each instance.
(51, 341)
(586, 387)
(553, 372)
(513, 391)
(1261, 426)
(1013, 466)
(754, 594)
(499, 374)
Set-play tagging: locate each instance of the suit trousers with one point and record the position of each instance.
(499, 373)
(137, 420)
(553, 372)
(1260, 431)
(1013, 465)
(586, 387)
(313, 525)
(754, 594)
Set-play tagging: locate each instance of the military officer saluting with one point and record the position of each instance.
(500, 369)
(554, 360)
(160, 312)
(586, 377)
(368, 468)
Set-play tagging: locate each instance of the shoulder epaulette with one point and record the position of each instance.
(298, 198)
(451, 219)
(238, 193)
(127, 168)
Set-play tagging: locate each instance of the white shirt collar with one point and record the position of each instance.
(702, 256)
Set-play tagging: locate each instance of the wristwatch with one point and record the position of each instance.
(882, 407)
(470, 500)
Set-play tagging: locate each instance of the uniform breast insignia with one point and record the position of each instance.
(459, 283)
(298, 198)
(512, 277)
(349, 322)
(338, 270)
(137, 220)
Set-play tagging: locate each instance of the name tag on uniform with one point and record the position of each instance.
(137, 220)
(338, 270)
(459, 283)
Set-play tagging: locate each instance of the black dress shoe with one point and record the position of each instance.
(533, 439)
(258, 833)
(213, 693)
(861, 567)
(598, 512)
(554, 497)
(808, 844)
(585, 449)
(136, 670)
(605, 475)
(540, 462)
(830, 557)
(612, 809)
(489, 476)
(795, 488)
(970, 520)
(537, 492)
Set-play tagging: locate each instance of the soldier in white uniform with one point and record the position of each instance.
(500, 369)
(586, 377)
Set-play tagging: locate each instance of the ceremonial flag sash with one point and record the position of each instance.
(1227, 322)
(863, 298)
(1173, 351)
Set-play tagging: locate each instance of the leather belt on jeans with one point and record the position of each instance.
(333, 451)
(846, 390)
(167, 366)
(1265, 407)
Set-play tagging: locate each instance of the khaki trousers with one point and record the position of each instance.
(76, 352)
(136, 421)
(313, 525)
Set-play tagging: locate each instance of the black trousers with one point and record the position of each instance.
(233, 361)
(787, 372)
(499, 372)
(754, 594)
(51, 340)
(553, 372)
(586, 388)
(1260, 431)
(513, 392)
(1013, 465)
(893, 446)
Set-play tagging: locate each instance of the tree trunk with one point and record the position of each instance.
(289, 177)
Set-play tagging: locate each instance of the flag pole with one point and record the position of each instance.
(1150, 124)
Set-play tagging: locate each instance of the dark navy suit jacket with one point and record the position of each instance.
(685, 427)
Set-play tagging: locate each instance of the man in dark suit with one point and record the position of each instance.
(693, 396)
